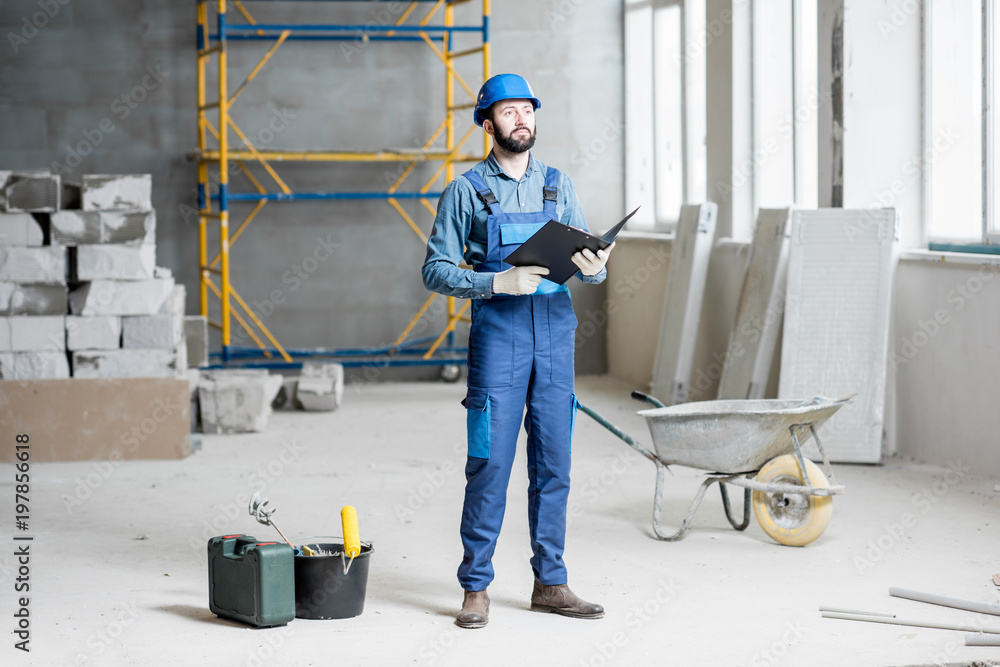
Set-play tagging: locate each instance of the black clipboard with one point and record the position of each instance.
(554, 245)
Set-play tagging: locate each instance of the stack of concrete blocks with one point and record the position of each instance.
(124, 320)
(32, 281)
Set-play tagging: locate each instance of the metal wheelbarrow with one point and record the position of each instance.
(754, 444)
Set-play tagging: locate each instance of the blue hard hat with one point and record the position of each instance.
(503, 87)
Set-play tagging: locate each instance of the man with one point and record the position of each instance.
(520, 345)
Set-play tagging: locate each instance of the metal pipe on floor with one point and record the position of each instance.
(916, 624)
(840, 610)
(981, 640)
(932, 598)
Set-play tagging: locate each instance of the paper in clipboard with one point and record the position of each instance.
(554, 245)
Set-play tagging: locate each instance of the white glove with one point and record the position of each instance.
(518, 280)
(591, 264)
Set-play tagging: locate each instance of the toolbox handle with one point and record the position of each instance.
(243, 545)
(235, 547)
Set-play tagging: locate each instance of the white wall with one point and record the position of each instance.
(945, 358)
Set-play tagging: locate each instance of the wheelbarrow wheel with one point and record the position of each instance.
(792, 519)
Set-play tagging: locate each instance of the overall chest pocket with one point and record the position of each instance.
(516, 233)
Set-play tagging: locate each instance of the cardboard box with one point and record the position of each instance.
(89, 420)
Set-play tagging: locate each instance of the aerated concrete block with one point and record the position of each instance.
(181, 352)
(20, 229)
(113, 262)
(33, 265)
(32, 334)
(33, 299)
(120, 297)
(33, 192)
(103, 332)
(174, 305)
(117, 192)
(75, 227)
(129, 227)
(72, 227)
(196, 336)
(321, 386)
(124, 363)
(33, 366)
(153, 332)
(236, 401)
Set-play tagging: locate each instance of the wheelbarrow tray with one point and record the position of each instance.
(733, 436)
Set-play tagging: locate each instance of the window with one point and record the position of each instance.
(953, 133)
(960, 136)
(665, 87)
(665, 161)
(786, 100)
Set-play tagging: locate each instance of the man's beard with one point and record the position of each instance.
(515, 145)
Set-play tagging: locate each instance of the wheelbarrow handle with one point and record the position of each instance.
(618, 432)
(639, 396)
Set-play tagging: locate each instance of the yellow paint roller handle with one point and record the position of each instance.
(352, 539)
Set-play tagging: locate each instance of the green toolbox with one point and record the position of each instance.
(251, 581)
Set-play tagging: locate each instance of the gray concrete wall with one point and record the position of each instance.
(64, 80)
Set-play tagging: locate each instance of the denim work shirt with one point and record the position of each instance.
(460, 227)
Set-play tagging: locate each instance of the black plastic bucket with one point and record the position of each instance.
(322, 590)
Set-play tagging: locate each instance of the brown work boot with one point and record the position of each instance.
(561, 600)
(475, 610)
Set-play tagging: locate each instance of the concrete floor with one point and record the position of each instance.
(120, 577)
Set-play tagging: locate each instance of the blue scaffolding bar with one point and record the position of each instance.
(281, 196)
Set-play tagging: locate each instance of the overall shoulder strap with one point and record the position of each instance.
(484, 192)
(550, 192)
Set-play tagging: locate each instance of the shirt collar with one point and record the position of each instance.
(493, 167)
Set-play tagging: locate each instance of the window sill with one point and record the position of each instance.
(646, 236)
(939, 257)
(964, 248)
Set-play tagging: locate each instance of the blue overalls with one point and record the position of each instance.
(520, 352)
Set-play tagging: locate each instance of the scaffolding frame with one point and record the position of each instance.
(216, 162)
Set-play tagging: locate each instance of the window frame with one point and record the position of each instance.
(990, 222)
(660, 223)
(991, 230)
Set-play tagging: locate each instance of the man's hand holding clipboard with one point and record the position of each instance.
(564, 250)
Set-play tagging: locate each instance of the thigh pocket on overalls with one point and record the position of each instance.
(491, 343)
(477, 406)
(562, 336)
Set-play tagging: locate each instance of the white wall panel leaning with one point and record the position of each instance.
(692, 248)
(836, 331)
(758, 313)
